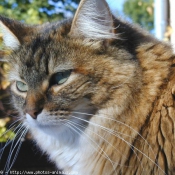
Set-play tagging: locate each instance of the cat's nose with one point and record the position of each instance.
(34, 103)
(34, 112)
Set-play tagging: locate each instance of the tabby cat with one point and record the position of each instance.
(96, 93)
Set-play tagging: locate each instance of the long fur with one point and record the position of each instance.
(114, 113)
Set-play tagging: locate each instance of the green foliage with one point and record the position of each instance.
(5, 136)
(140, 11)
(35, 11)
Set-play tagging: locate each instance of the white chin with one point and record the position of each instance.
(47, 129)
(32, 122)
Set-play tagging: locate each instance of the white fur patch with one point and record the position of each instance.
(94, 20)
(10, 39)
(31, 121)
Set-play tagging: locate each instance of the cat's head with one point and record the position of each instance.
(63, 70)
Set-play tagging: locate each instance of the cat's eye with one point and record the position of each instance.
(22, 87)
(60, 77)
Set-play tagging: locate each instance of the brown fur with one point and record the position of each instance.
(125, 84)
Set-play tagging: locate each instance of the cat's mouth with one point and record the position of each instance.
(63, 121)
(59, 127)
(45, 120)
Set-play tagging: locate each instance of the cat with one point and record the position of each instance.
(95, 92)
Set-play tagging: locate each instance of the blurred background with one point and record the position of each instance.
(156, 16)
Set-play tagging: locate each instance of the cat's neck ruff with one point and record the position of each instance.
(73, 149)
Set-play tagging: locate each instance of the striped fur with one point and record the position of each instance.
(115, 114)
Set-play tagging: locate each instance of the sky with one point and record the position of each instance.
(116, 5)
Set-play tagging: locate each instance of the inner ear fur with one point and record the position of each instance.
(93, 20)
(14, 32)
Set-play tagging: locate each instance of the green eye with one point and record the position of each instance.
(22, 87)
(60, 77)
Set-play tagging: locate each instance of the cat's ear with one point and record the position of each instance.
(93, 20)
(10, 31)
(14, 33)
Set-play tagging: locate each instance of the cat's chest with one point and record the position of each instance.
(71, 148)
(64, 155)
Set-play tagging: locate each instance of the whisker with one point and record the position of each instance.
(19, 146)
(13, 125)
(10, 115)
(12, 148)
(115, 134)
(83, 126)
(9, 141)
(129, 144)
(121, 124)
(107, 157)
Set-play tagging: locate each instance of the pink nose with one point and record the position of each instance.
(34, 112)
